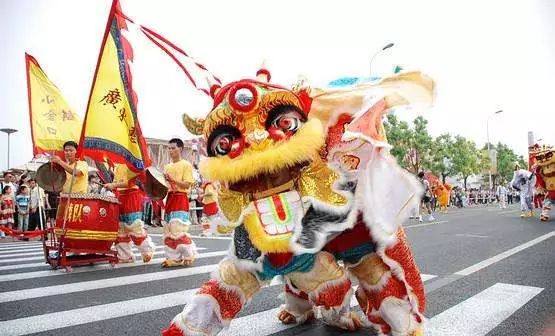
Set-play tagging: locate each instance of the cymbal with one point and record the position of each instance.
(51, 177)
(156, 186)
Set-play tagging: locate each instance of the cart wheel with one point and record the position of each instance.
(69, 269)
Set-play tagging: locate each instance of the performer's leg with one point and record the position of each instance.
(175, 235)
(390, 290)
(329, 289)
(123, 246)
(188, 252)
(216, 303)
(140, 238)
(529, 206)
(523, 206)
(297, 307)
(546, 208)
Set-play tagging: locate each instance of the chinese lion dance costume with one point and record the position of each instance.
(308, 184)
(544, 169)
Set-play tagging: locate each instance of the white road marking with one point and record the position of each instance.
(482, 312)
(3, 257)
(41, 256)
(426, 277)
(68, 318)
(503, 255)
(74, 287)
(19, 248)
(470, 235)
(74, 317)
(425, 224)
(21, 244)
(215, 237)
(83, 269)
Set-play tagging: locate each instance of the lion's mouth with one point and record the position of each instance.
(268, 184)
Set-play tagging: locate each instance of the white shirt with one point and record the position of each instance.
(36, 193)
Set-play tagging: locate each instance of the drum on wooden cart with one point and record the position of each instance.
(86, 228)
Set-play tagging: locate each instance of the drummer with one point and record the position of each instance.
(180, 248)
(131, 225)
(79, 169)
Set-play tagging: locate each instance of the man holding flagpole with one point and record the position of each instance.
(131, 225)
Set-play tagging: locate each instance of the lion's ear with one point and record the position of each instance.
(193, 125)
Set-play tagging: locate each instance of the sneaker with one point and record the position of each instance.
(431, 218)
(420, 219)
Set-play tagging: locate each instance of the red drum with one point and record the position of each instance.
(91, 221)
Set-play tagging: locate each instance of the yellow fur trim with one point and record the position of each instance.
(299, 148)
(263, 241)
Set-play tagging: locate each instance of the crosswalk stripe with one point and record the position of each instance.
(40, 256)
(18, 248)
(215, 237)
(503, 255)
(68, 318)
(265, 321)
(482, 312)
(74, 287)
(41, 252)
(84, 269)
(20, 244)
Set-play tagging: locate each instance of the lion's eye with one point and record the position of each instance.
(288, 122)
(221, 140)
(285, 118)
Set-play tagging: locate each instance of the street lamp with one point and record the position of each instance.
(8, 131)
(387, 46)
(489, 150)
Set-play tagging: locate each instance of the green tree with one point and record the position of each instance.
(467, 159)
(398, 133)
(506, 159)
(411, 145)
(442, 156)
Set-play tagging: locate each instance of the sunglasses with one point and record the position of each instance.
(543, 157)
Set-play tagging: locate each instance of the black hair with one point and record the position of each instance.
(32, 179)
(178, 142)
(5, 189)
(21, 188)
(421, 174)
(70, 143)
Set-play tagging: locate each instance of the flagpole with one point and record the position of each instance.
(106, 32)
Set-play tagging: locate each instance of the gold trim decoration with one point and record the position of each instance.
(268, 98)
(317, 180)
(193, 125)
(86, 234)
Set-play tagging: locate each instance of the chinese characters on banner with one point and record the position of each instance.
(53, 121)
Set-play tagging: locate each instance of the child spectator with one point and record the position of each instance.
(22, 201)
(6, 209)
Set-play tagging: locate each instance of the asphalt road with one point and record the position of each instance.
(486, 272)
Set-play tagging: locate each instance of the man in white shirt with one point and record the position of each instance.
(502, 194)
(37, 205)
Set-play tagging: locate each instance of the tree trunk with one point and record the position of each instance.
(443, 176)
(465, 177)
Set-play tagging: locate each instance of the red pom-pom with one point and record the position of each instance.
(173, 330)
(306, 100)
